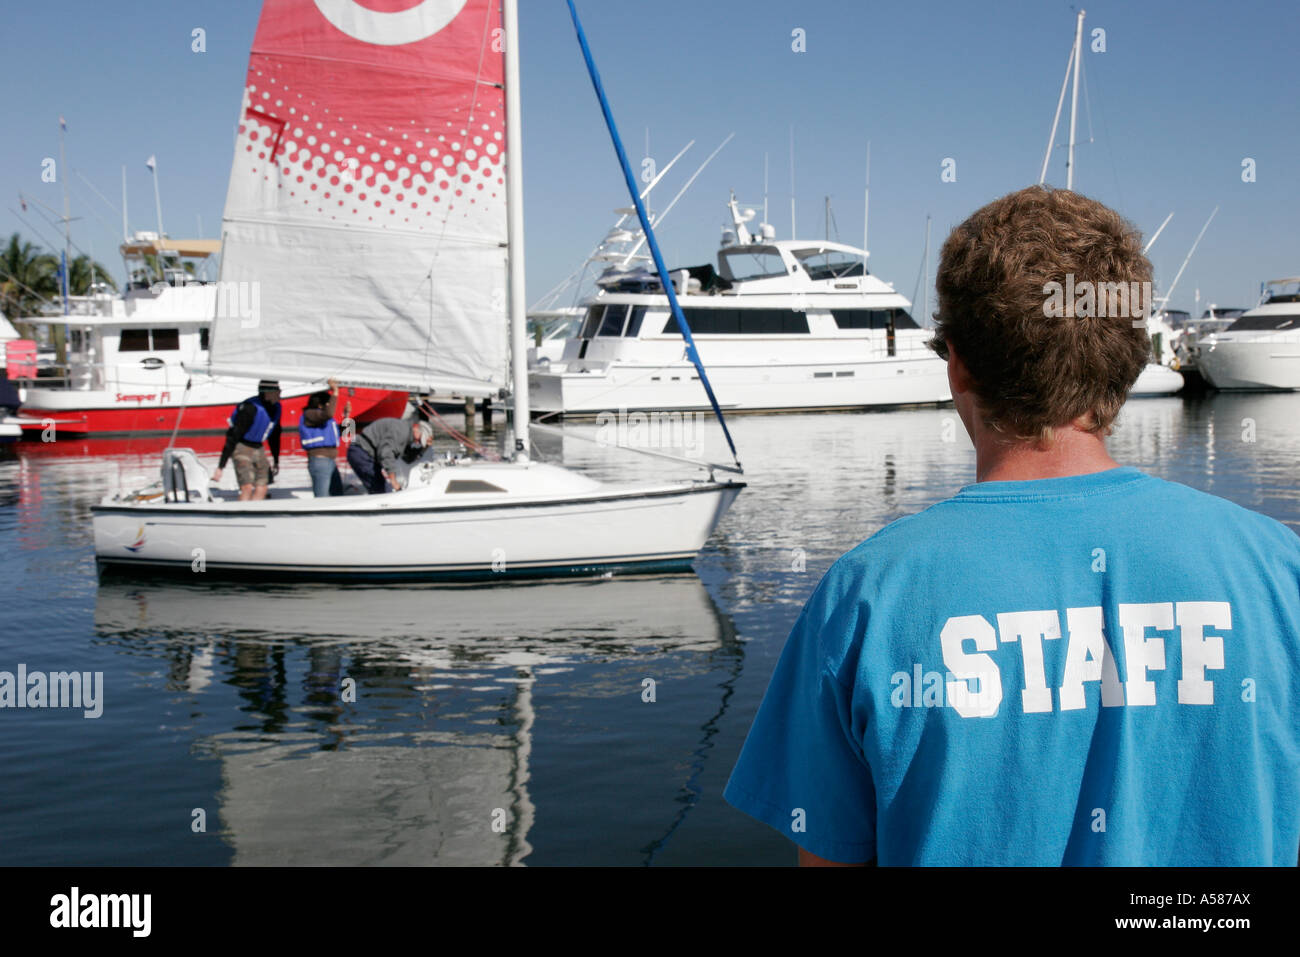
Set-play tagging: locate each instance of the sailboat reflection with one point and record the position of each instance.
(429, 761)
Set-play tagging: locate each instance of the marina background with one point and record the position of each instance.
(526, 706)
(1182, 94)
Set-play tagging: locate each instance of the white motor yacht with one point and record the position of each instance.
(784, 325)
(1260, 351)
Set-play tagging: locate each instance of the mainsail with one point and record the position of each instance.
(367, 202)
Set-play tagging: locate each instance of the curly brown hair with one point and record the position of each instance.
(1034, 368)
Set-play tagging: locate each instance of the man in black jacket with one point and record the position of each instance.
(255, 421)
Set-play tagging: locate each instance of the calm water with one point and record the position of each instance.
(496, 724)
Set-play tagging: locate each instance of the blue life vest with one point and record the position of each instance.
(265, 420)
(319, 437)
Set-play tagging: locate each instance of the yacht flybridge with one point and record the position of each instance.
(1260, 351)
(785, 325)
(382, 273)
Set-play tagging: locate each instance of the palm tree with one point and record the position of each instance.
(85, 270)
(29, 278)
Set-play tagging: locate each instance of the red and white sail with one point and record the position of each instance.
(367, 197)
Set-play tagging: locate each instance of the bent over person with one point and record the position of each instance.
(254, 421)
(1037, 671)
(375, 452)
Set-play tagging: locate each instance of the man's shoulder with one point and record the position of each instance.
(1197, 512)
(1185, 511)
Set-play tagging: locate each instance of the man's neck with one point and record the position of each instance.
(1072, 452)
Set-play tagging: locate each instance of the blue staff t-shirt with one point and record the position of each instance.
(1099, 669)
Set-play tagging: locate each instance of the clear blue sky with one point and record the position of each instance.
(1182, 94)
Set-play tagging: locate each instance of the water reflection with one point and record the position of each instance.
(430, 761)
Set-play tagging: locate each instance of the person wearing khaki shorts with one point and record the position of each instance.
(255, 421)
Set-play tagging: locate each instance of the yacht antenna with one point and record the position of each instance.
(765, 187)
(126, 234)
(925, 311)
(866, 208)
(792, 225)
(152, 163)
(67, 220)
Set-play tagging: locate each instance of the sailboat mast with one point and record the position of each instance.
(515, 231)
(1074, 98)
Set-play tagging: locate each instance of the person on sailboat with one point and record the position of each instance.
(318, 434)
(380, 445)
(254, 421)
(1038, 671)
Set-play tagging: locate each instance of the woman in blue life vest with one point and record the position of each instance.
(254, 421)
(318, 433)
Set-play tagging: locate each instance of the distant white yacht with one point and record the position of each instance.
(784, 325)
(1261, 350)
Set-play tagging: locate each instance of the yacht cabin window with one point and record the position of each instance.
(745, 322)
(1274, 323)
(829, 264)
(873, 319)
(617, 319)
(149, 340)
(740, 265)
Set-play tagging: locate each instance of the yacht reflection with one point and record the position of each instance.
(429, 763)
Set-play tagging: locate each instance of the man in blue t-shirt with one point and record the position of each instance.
(1068, 662)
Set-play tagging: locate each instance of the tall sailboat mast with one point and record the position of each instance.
(515, 231)
(1074, 99)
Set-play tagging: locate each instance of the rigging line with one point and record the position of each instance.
(569, 433)
(1110, 148)
(56, 246)
(920, 271)
(38, 295)
(98, 193)
(691, 351)
(39, 234)
(427, 408)
(94, 212)
(1087, 103)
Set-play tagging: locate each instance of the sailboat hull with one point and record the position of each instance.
(417, 535)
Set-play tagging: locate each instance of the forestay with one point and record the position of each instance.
(367, 199)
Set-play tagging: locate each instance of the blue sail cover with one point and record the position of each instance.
(691, 352)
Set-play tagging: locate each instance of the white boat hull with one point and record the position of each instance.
(755, 387)
(1264, 365)
(1157, 380)
(549, 523)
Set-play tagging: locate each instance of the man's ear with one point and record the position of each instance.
(959, 376)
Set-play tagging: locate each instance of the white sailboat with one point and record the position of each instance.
(372, 200)
(1156, 378)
